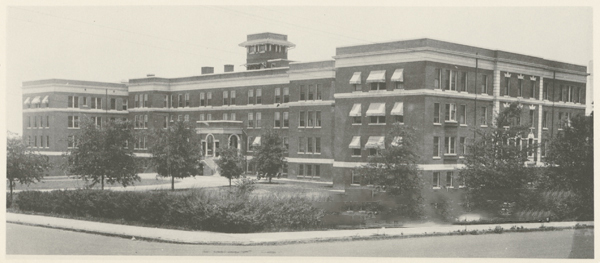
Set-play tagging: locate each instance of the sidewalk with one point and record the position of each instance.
(203, 237)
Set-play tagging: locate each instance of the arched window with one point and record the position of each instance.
(233, 141)
(210, 145)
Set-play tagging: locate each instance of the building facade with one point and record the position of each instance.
(332, 114)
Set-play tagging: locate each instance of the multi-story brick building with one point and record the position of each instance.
(332, 114)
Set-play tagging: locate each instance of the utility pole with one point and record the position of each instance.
(553, 91)
(475, 111)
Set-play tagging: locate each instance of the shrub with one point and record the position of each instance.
(220, 211)
(498, 230)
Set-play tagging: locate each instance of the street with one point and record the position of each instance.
(29, 240)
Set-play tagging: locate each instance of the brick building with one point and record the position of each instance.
(332, 114)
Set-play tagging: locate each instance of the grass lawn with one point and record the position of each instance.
(62, 183)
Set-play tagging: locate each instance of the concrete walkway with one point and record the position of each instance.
(203, 237)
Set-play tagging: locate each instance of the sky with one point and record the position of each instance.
(117, 43)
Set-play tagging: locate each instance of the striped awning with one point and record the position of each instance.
(27, 101)
(356, 110)
(376, 76)
(36, 100)
(397, 141)
(375, 142)
(355, 143)
(398, 75)
(398, 109)
(355, 78)
(45, 100)
(256, 141)
(376, 109)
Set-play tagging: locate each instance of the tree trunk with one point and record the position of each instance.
(102, 182)
(11, 192)
(172, 183)
(269, 175)
(229, 182)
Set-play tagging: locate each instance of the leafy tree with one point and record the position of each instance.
(495, 173)
(103, 154)
(231, 163)
(176, 151)
(394, 170)
(268, 156)
(23, 165)
(570, 160)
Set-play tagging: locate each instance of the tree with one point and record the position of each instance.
(268, 156)
(176, 151)
(231, 163)
(22, 165)
(570, 167)
(495, 172)
(394, 170)
(104, 153)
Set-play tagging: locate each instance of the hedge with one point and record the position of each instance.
(196, 210)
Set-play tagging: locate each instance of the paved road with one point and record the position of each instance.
(29, 240)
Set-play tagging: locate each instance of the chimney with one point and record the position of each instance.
(228, 68)
(208, 70)
(149, 75)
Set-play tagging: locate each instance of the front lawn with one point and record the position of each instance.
(74, 183)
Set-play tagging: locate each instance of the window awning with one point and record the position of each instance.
(398, 109)
(376, 109)
(375, 142)
(256, 141)
(45, 100)
(398, 75)
(355, 78)
(27, 101)
(355, 143)
(356, 110)
(397, 141)
(36, 100)
(376, 76)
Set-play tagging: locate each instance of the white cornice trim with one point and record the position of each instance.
(416, 92)
(310, 160)
(71, 110)
(74, 89)
(424, 167)
(328, 73)
(213, 108)
(311, 103)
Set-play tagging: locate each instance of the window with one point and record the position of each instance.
(484, 114)
(286, 95)
(258, 119)
(146, 105)
(436, 179)
(377, 120)
(310, 92)
(311, 122)
(258, 96)
(569, 94)
(208, 116)
(317, 118)
(173, 105)
(47, 141)
(463, 81)
(180, 100)
(309, 145)
(532, 118)
(319, 97)
(507, 86)
(378, 86)
(113, 104)
(225, 98)
(28, 121)
(302, 93)
(35, 121)
(463, 146)
(452, 79)
(84, 102)
(165, 122)
(568, 117)
(277, 117)
(560, 93)
(317, 170)
(463, 114)
(71, 141)
(309, 170)
(545, 91)
(577, 95)
(301, 169)
(187, 99)
(35, 144)
(450, 144)
(166, 102)
(533, 84)
(302, 119)
(449, 182)
(277, 95)
(286, 119)
(202, 99)
(437, 78)
(286, 143)
(545, 119)
(186, 118)
(484, 84)
(301, 145)
(209, 98)
(317, 145)
(436, 113)
(201, 118)
(136, 103)
(96, 103)
(232, 98)
(47, 121)
(520, 88)
(436, 146)
(250, 120)
(250, 96)
(73, 102)
(450, 112)
(73, 122)
(29, 141)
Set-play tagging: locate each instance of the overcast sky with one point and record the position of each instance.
(112, 44)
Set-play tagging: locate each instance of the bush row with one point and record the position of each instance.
(197, 210)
